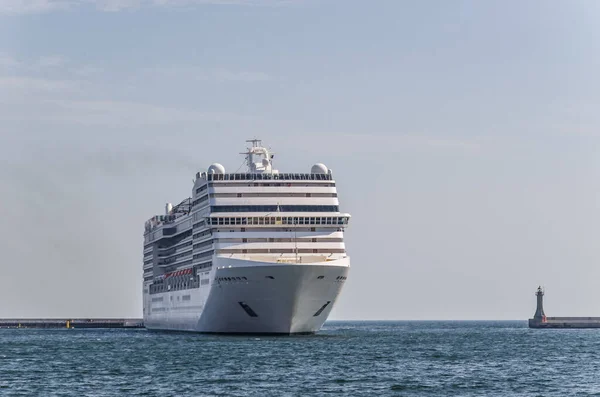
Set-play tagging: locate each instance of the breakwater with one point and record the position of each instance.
(565, 322)
(72, 323)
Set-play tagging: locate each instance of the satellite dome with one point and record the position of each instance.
(319, 169)
(216, 168)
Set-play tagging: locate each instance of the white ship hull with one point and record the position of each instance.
(246, 296)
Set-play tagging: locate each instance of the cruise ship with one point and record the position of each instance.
(254, 252)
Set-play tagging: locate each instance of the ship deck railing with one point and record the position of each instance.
(269, 176)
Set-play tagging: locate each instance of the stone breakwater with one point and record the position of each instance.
(565, 322)
(72, 323)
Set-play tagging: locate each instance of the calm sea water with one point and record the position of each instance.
(345, 358)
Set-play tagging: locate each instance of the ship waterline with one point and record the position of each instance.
(257, 252)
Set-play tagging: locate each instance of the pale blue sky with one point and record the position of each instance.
(464, 137)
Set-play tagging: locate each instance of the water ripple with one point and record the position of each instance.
(346, 359)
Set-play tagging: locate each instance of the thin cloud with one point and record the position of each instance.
(16, 7)
(29, 84)
(408, 140)
(41, 63)
(391, 143)
(87, 71)
(247, 77)
(118, 5)
(51, 61)
(263, 3)
(33, 6)
(122, 113)
(65, 97)
(209, 75)
(44, 73)
(450, 143)
(7, 61)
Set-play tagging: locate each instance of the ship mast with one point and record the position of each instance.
(258, 158)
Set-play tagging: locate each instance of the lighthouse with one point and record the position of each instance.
(540, 320)
(539, 311)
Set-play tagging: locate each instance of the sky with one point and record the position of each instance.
(463, 137)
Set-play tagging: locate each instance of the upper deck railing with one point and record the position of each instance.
(269, 176)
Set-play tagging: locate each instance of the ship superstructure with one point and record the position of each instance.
(254, 252)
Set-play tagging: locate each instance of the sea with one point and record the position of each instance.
(428, 358)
